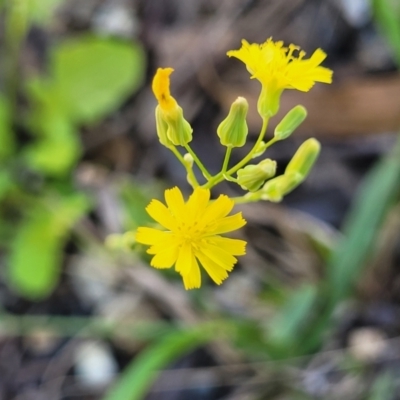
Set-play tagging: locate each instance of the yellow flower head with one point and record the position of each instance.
(161, 89)
(273, 64)
(277, 68)
(192, 235)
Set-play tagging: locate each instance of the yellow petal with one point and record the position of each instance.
(192, 280)
(175, 202)
(184, 260)
(168, 240)
(198, 202)
(235, 247)
(149, 235)
(216, 272)
(219, 208)
(161, 214)
(165, 258)
(317, 57)
(160, 88)
(227, 224)
(221, 257)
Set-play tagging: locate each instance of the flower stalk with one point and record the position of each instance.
(189, 234)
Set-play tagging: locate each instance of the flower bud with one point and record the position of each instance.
(290, 122)
(276, 188)
(162, 128)
(188, 160)
(252, 177)
(304, 158)
(168, 112)
(232, 131)
(269, 101)
(179, 130)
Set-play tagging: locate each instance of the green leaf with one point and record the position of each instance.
(383, 388)
(387, 15)
(144, 368)
(7, 140)
(95, 75)
(134, 200)
(36, 252)
(361, 229)
(287, 325)
(59, 149)
(42, 11)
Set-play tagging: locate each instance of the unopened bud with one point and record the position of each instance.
(276, 188)
(120, 242)
(179, 130)
(290, 122)
(188, 160)
(232, 131)
(252, 177)
(162, 128)
(304, 158)
(269, 101)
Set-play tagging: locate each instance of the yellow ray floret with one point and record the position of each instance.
(161, 91)
(275, 65)
(191, 235)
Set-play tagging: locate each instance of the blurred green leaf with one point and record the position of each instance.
(285, 328)
(95, 75)
(36, 251)
(41, 11)
(361, 229)
(383, 388)
(134, 201)
(387, 14)
(377, 193)
(144, 368)
(7, 141)
(89, 77)
(59, 149)
(6, 182)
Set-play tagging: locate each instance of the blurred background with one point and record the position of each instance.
(311, 312)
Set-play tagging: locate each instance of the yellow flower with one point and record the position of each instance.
(277, 68)
(192, 235)
(172, 128)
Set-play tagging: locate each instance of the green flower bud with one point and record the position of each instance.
(179, 130)
(252, 177)
(188, 159)
(304, 158)
(276, 188)
(232, 131)
(290, 122)
(269, 101)
(116, 241)
(162, 128)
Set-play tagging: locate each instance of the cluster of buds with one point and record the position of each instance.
(282, 71)
(188, 234)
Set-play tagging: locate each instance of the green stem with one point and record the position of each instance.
(252, 151)
(226, 159)
(196, 159)
(244, 199)
(220, 176)
(191, 176)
